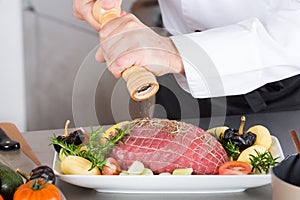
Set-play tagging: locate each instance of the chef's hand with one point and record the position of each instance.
(82, 9)
(126, 41)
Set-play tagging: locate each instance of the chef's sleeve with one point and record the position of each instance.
(239, 58)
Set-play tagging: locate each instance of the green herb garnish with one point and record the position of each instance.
(232, 149)
(262, 162)
(97, 152)
(94, 151)
(66, 149)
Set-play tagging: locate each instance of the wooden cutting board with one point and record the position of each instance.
(14, 134)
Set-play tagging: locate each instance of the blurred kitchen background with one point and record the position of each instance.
(42, 48)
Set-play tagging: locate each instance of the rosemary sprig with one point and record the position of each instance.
(95, 151)
(232, 149)
(262, 162)
(67, 149)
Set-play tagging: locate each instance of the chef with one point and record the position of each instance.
(244, 50)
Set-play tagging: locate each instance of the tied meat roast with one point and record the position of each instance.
(165, 145)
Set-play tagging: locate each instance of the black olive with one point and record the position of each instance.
(243, 141)
(57, 147)
(229, 133)
(249, 139)
(76, 137)
(43, 172)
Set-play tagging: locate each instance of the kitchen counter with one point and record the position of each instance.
(279, 124)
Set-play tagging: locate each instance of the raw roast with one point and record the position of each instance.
(164, 145)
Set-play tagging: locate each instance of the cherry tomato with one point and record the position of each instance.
(235, 168)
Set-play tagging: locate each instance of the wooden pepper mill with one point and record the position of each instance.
(141, 83)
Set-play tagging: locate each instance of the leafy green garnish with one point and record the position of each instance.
(262, 162)
(66, 149)
(232, 149)
(94, 151)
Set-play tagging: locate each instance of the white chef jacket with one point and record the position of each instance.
(243, 44)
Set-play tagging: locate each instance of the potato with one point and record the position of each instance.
(165, 174)
(245, 155)
(217, 131)
(78, 165)
(183, 171)
(147, 172)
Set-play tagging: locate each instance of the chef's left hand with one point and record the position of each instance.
(82, 9)
(126, 41)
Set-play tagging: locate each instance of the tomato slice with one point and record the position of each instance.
(235, 168)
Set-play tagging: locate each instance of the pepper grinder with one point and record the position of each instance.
(141, 83)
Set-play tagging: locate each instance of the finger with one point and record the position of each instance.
(92, 21)
(76, 12)
(116, 68)
(120, 64)
(115, 71)
(108, 4)
(99, 55)
(83, 10)
(109, 27)
(116, 46)
(120, 25)
(78, 15)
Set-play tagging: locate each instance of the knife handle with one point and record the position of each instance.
(6, 144)
(141, 83)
